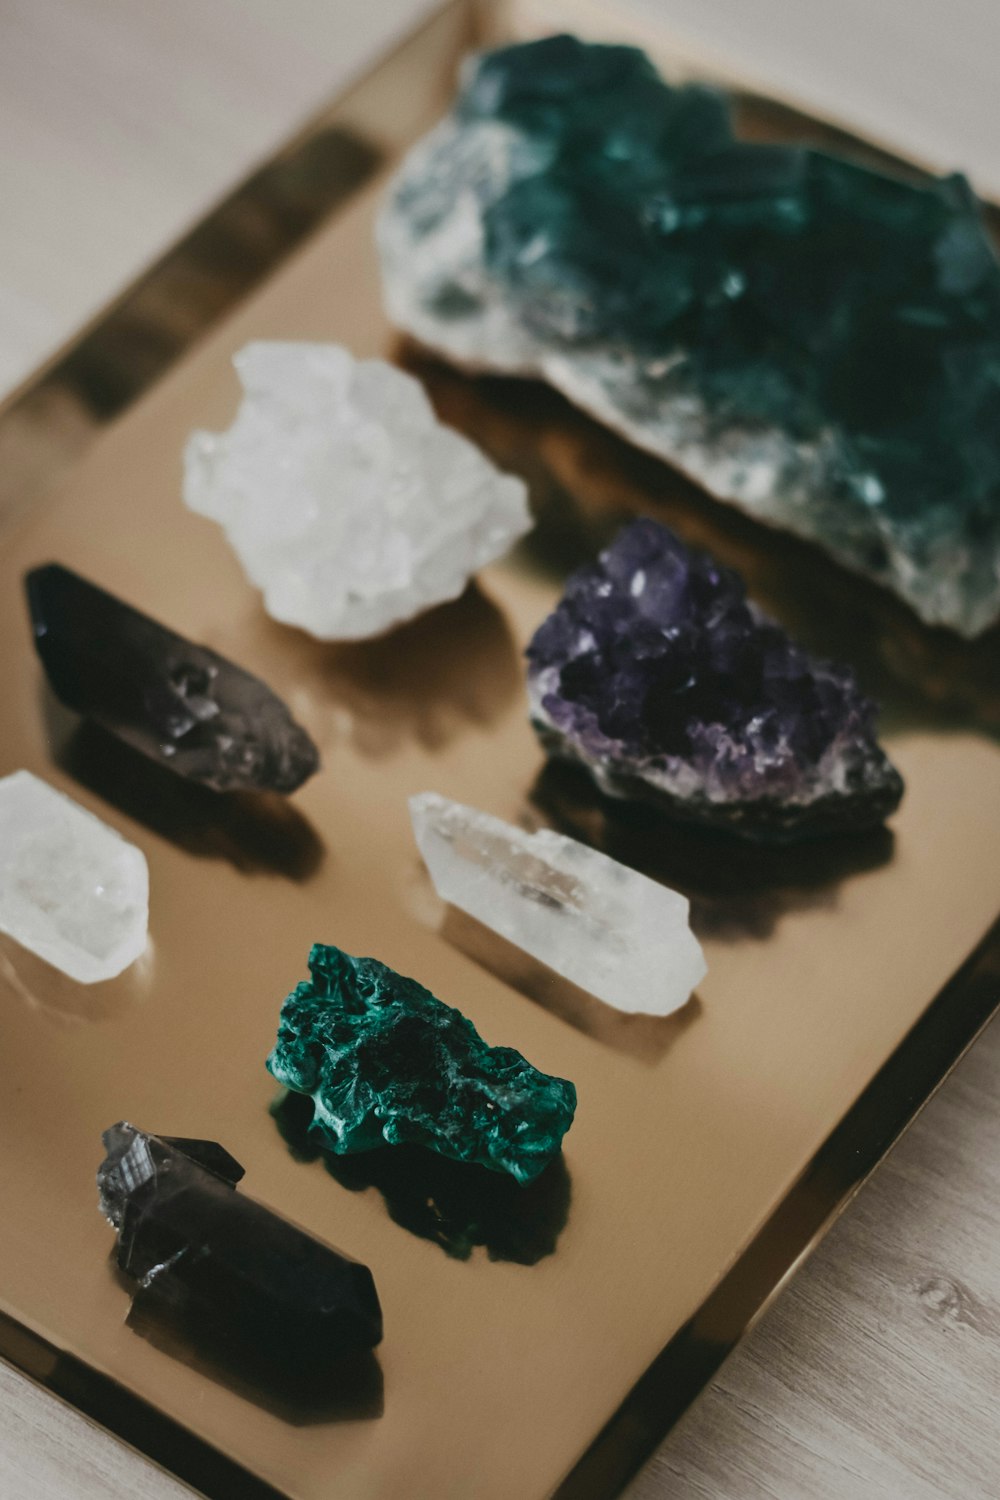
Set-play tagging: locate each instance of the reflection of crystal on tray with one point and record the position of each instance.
(608, 929)
(224, 1258)
(386, 1063)
(72, 890)
(184, 706)
(659, 676)
(348, 504)
(813, 340)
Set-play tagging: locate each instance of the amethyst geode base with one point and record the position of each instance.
(657, 674)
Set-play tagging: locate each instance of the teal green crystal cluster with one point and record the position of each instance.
(815, 341)
(385, 1063)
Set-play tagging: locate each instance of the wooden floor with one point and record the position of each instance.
(877, 1372)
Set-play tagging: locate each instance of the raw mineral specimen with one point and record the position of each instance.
(224, 1257)
(616, 933)
(72, 890)
(184, 706)
(811, 339)
(346, 501)
(386, 1063)
(660, 676)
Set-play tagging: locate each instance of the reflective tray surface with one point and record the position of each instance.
(710, 1149)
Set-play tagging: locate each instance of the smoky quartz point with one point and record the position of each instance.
(184, 706)
(386, 1063)
(658, 674)
(224, 1259)
(814, 340)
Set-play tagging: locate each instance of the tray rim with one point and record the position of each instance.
(894, 1097)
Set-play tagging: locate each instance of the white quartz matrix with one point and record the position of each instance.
(608, 929)
(347, 502)
(72, 890)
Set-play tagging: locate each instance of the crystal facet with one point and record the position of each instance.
(72, 890)
(346, 501)
(657, 673)
(615, 933)
(386, 1063)
(184, 706)
(225, 1258)
(814, 341)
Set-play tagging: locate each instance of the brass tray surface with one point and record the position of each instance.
(709, 1150)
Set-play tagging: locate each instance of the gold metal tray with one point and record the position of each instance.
(710, 1149)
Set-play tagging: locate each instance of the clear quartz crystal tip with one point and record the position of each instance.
(72, 890)
(606, 928)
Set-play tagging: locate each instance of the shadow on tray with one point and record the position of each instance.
(298, 1387)
(66, 1001)
(456, 1205)
(646, 1038)
(454, 667)
(255, 831)
(585, 482)
(736, 889)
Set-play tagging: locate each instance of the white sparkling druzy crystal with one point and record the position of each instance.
(615, 933)
(349, 505)
(72, 890)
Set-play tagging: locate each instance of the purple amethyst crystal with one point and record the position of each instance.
(658, 674)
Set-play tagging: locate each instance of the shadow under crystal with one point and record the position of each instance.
(736, 889)
(643, 1037)
(68, 1001)
(456, 1205)
(296, 1385)
(456, 666)
(255, 831)
(585, 482)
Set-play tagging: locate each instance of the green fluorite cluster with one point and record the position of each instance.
(386, 1063)
(814, 340)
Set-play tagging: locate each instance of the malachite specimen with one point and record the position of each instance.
(815, 341)
(385, 1063)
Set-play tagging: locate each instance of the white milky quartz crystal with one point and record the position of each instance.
(346, 501)
(608, 929)
(72, 890)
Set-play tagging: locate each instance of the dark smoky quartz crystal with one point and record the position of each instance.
(184, 706)
(222, 1259)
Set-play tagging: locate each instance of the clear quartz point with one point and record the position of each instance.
(72, 890)
(606, 928)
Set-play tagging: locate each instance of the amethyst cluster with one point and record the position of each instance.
(658, 674)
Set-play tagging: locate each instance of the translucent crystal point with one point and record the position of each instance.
(72, 890)
(615, 933)
(348, 504)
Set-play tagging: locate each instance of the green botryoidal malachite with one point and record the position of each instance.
(815, 341)
(385, 1063)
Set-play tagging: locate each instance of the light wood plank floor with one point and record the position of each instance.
(876, 1374)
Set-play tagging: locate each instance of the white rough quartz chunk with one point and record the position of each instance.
(347, 502)
(608, 929)
(72, 890)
